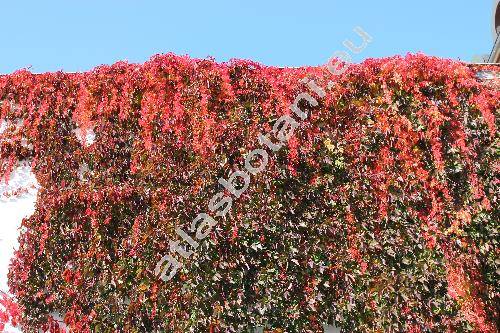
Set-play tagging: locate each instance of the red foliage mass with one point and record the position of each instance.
(413, 136)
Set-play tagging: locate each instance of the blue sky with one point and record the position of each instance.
(78, 35)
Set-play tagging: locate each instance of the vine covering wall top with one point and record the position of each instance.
(380, 212)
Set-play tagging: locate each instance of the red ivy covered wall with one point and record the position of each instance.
(380, 213)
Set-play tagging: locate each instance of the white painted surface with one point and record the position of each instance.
(12, 212)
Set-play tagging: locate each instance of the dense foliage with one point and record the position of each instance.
(379, 214)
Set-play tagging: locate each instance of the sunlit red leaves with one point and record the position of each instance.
(392, 137)
(10, 312)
